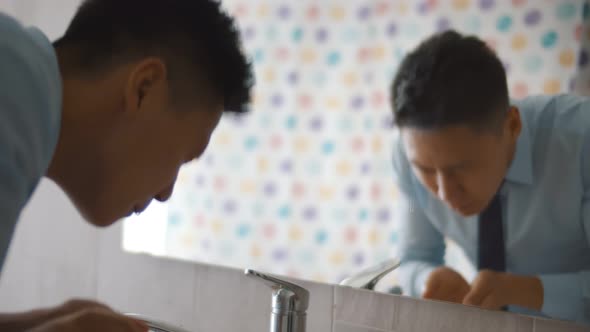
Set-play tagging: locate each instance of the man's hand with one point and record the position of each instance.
(53, 318)
(73, 306)
(445, 284)
(95, 319)
(494, 290)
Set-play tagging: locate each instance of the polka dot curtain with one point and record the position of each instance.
(302, 185)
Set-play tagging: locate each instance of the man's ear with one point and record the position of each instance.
(142, 79)
(513, 123)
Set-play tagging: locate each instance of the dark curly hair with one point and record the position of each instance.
(450, 79)
(195, 38)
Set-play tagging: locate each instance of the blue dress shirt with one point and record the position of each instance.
(30, 112)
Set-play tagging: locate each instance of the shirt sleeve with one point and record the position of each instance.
(422, 246)
(24, 132)
(567, 295)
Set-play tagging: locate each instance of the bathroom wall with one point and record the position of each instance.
(55, 256)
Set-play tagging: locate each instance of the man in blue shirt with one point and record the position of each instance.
(508, 181)
(110, 112)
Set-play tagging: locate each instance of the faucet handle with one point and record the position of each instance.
(369, 277)
(287, 297)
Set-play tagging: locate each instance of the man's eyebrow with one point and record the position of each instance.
(449, 167)
(419, 165)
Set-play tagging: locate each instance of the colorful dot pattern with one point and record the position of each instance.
(302, 186)
(581, 83)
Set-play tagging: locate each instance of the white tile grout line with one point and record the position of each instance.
(194, 318)
(364, 326)
(332, 308)
(333, 318)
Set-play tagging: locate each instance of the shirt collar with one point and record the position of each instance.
(521, 167)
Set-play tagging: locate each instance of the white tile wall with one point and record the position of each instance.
(159, 288)
(364, 308)
(225, 296)
(361, 311)
(50, 16)
(66, 247)
(53, 256)
(417, 315)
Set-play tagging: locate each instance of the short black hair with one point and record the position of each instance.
(450, 79)
(193, 37)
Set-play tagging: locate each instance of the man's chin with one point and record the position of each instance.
(96, 209)
(103, 223)
(467, 211)
(466, 214)
(100, 218)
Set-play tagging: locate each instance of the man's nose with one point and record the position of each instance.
(447, 189)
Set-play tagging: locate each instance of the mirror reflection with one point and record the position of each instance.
(450, 136)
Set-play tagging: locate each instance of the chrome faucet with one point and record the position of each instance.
(289, 307)
(369, 277)
(289, 303)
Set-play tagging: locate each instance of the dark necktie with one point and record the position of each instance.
(491, 253)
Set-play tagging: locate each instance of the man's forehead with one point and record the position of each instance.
(441, 150)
